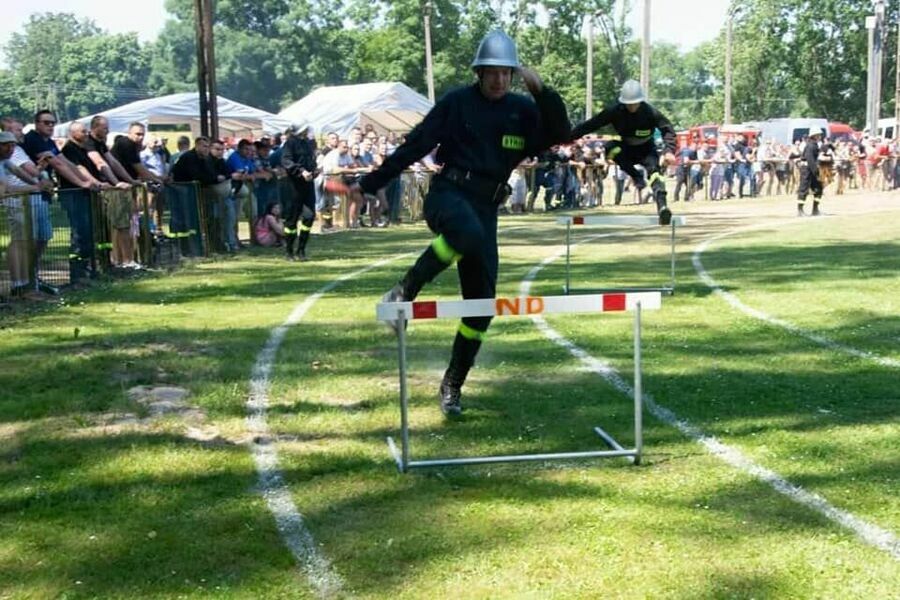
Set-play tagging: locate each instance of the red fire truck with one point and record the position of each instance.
(709, 134)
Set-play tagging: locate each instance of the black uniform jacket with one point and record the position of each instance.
(811, 156)
(488, 138)
(299, 153)
(193, 167)
(634, 128)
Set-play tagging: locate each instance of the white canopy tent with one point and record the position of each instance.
(388, 106)
(235, 119)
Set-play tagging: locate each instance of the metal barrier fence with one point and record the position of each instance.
(81, 234)
(33, 245)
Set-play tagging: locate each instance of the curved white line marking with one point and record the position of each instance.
(766, 318)
(322, 577)
(871, 534)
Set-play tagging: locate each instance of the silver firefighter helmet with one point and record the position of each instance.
(496, 50)
(631, 92)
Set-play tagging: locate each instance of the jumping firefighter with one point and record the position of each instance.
(809, 173)
(482, 132)
(634, 120)
(298, 158)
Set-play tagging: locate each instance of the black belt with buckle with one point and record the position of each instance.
(481, 186)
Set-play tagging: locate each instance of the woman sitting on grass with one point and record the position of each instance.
(270, 227)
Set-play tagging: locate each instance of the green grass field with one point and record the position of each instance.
(99, 498)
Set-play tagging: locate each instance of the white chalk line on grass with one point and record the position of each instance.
(319, 572)
(870, 534)
(766, 318)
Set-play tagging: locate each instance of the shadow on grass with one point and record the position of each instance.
(93, 510)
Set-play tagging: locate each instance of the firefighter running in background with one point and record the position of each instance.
(634, 120)
(298, 158)
(483, 132)
(809, 173)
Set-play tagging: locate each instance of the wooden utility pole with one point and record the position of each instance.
(201, 66)
(209, 46)
(206, 68)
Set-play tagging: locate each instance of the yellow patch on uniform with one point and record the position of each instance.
(643, 132)
(513, 142)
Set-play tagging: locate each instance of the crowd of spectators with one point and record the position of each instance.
(244, 178)
(580, 176)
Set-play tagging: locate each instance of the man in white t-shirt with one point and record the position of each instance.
(23, 248)
(334, 165)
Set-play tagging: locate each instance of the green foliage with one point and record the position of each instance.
(790, 58)
(35, 57)
(119, 58)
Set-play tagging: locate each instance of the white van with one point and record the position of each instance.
(789, 130)
(887, 128)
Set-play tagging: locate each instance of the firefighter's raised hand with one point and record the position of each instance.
(532, 80)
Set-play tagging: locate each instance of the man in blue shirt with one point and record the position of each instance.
(242, 168)
(686, 156)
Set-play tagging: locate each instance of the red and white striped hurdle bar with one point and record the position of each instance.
(617, 220)
(519, 305)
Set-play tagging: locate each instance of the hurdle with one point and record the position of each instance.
(517, 306)
(618, 221)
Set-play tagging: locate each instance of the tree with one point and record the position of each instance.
(681, 83)
(35, 56)
(102, 71)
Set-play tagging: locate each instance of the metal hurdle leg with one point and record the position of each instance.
(638, 391)
(402, 457)
(672, 290)
(568, 251)
(635, 454)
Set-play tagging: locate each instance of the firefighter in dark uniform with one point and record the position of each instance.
(482, 133)
(809, 173)
(634, 120)
(298, 158)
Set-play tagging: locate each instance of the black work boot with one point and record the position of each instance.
(450, 395)
(289, 245)
(800, 212)
(665, 215)
(461, 360)
(815, 210)
(302, 239)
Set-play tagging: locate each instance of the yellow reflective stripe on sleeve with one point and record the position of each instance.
(289, 230)
(104, 246)
(614, 152)
(471, 334)
(444, 251)
(180, 234)
(657, 177)
(305, 227)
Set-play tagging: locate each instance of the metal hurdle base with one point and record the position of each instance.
(617, 451)
(401, 454)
